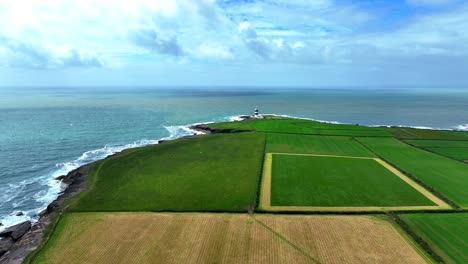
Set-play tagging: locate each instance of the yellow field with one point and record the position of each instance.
(265, 195)
(225, 238)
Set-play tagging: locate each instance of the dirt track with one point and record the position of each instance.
(266, 191)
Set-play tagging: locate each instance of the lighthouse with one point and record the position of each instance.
(256, 111)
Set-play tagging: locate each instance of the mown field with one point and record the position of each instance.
(447, 234)
(224, 238)
(413, 133)
(445, 175)
(295, 126)
(214, 172)
(331, 145)
(334, 181)
(452, 149)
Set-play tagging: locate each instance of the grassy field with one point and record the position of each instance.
(447, 234)
(453, 149)
(224, 238)
(455, 153)
(413, 133)
(443, 174)
(438, 143)
(295, 126)
(214, 172)
(332, 145)
(335, 181)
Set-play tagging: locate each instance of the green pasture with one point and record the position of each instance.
(296, 126)
(213, 172)
(446, 234)
(414, 133)
(455, 153)
(311, 144)
(439, 143)
(445, 175)
(334, 181)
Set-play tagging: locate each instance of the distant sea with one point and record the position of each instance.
(47, 132)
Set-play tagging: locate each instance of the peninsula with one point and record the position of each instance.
(263, 190)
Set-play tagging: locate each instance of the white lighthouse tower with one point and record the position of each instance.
(256, 111)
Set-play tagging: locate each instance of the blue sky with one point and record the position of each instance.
(320, 43)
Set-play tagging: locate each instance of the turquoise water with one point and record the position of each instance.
(46, 132)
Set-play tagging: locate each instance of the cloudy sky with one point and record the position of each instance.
(315, 43)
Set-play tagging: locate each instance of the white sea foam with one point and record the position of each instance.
(462, 127)
(54, 186)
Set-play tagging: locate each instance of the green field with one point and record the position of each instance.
(453, 149)
(334, 181)
(295, 126)
(330, 145)
(446, 234)
(439, 143)
(455, 153)
(213, 172)
(443, 174)
(413, 133)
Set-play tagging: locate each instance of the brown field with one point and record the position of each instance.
(265, 194)
(225, 238)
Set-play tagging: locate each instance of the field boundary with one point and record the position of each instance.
(265, 199)
(414, 178)
(415, 237)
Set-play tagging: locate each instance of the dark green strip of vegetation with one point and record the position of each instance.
(423, 244)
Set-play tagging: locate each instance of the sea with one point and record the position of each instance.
(46, 132)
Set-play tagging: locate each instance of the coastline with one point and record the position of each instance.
(75, 182)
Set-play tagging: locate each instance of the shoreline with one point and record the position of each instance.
(75, 183)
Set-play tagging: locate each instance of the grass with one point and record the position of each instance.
(452, 149)
(455, 153)
(213, 172)
(331, 145)
(413, 133)
(445, 175)
(334, 181)
(296, 126)
(438, 143)
(224, 238)
(446, 234)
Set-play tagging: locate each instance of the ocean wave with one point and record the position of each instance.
(44, 197)
(12, 192)
(462, 127)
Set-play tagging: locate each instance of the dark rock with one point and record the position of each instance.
(59, 178)
(19, 213)
(1, 224)
(21, 230)
(162, 141)
(16, 231)
(5, 245)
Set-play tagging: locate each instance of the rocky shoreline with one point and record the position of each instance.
(20, 240)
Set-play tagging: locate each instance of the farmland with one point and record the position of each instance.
(336, 181)
(447, 234)
(224, 198)
(224, 238)
(445, 175)
(452, 149)
(413, 133)
(295, 126)
(179, 175)
(331, 145)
